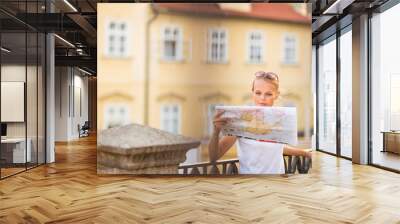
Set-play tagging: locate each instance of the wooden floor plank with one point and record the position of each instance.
(70, 191)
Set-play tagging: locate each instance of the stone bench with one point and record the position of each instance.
(138, 149)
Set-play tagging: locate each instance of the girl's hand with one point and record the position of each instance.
(294, 151)
(308, 153)
(218, 121)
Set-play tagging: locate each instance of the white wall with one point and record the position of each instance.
(11, 73)
(61, 103)
(71, 94)
(79, 115)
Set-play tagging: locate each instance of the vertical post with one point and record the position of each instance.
(316, 97)
(37, 89)
(360, 90)
(338, 96)
(147, 69)
(50, 93)
(369, 89)
(26, 88)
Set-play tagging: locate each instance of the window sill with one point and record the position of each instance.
(255, 63)
(172, 61)
(290, 64)
(108, 57)
(217, 62)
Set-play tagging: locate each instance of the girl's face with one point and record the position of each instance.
(264, 93)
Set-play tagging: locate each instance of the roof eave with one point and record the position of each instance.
(173, 11)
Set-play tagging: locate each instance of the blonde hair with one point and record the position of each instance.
(267, 76)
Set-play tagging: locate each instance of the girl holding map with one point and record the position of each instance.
(255, 157)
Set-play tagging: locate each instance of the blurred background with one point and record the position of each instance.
(168, 65)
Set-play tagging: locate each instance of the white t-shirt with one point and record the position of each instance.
(256, 157)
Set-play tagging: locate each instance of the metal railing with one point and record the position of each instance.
(230, 167)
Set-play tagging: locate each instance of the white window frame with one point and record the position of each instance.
(179, 43)
(117, 34)
(284, 46)
(163, 117)
(224, 59)
(250, 44)
(107, 117)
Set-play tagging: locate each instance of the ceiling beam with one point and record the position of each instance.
(82, 61)
(337, 7)
(84, 24)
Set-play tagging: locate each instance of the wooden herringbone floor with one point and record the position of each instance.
(69, 191)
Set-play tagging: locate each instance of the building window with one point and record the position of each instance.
(172, 43)
(394, 102)
(170, 118)
(289, 49)
(385, 89)
(255, 47)
(116, 115)
(345, 93)
(210, 117)
(117, 39)
(217, 46)
(327, 96)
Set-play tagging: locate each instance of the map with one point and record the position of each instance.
(275, 124)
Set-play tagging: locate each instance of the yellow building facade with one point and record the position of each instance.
(174, 65)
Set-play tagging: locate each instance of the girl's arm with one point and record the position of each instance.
(216, 147)
(290, 150)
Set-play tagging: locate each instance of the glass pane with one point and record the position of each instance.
(210, 116)
(175, 127)
(122, 26)
(394, 101)
(327, 96)
(346, 94)
(221, 52)
(385, 89)
(167, 32)
(13, 87)
(169, 49)
(31, 98)
(41, 99)
(112, 26)
(32, 90)
(214, 35)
